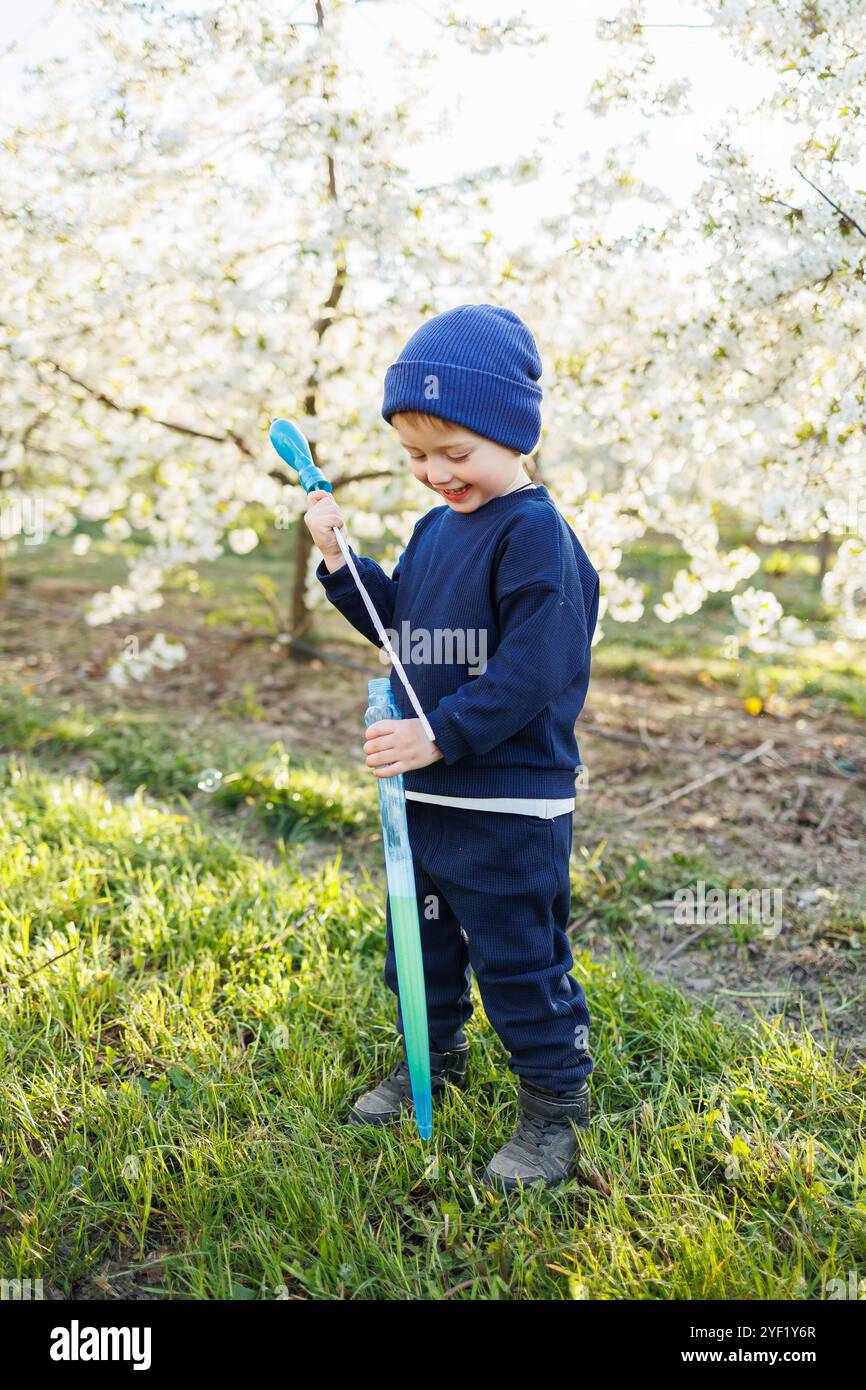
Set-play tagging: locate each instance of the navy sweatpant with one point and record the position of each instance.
(493, 897)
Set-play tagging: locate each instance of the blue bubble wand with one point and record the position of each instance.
(293, 448)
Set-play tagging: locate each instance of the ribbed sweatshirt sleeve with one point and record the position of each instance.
(541, 650)
(342, 591)
(542, 622)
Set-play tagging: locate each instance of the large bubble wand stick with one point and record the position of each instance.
(292, 447)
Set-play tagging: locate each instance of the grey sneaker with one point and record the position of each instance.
(391, 1097)
(543, 1149)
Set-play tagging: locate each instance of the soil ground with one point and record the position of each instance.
(791, 819)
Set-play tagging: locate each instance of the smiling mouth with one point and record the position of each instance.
(457, 492)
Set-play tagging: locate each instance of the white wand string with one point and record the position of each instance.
(343, 544)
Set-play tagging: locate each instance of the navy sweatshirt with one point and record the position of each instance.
(509, 583)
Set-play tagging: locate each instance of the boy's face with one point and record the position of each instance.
(448, 457)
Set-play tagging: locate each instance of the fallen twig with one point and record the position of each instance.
(662, 746)
(833, 804)
(682, 945)
(708, 777)
(6, 984)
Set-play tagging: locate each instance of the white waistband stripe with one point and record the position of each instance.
(514, 805)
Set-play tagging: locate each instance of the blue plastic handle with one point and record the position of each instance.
(294, 450)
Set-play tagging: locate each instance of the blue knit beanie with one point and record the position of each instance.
(476, 365)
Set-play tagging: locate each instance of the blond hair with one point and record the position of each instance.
(418, 417)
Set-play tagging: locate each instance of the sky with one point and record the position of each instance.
(500, 104)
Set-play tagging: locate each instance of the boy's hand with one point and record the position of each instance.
(398, 745)
(321, 518)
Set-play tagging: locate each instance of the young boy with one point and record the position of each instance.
(490, 802)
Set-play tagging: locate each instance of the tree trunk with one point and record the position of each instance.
(299, 615)
(823, 556)
(300, 618)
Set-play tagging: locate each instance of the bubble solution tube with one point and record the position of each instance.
(404, 917)
(292, 447)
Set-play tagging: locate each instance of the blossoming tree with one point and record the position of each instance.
(206, 222)
(745, 387)
(172, 292)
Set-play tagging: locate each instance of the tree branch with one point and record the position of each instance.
(343, 479)
(846, 216)
(142, 411)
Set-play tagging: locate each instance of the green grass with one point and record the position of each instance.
(170, 755)
(185, 1025)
